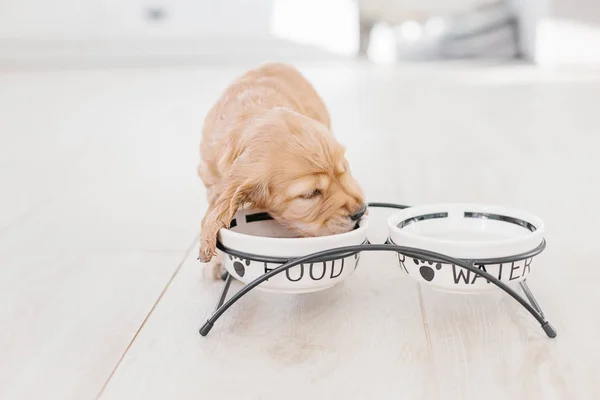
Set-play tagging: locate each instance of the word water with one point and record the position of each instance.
(428, 270)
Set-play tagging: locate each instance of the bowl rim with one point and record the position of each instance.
(462, 245)
(226, 233)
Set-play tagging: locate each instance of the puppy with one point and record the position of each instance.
(267, 144)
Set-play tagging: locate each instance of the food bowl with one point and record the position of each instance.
(265, 245)
(496, 239)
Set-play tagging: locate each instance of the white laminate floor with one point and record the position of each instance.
(101, 295)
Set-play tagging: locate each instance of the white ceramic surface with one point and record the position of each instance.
(466, 231)
(269, 238)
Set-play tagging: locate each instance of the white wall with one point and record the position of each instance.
(24, 19)
(570, 35)
(558, 33)
(584, 11)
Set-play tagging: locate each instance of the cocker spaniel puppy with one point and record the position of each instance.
(267, 143)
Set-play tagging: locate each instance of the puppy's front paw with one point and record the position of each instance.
(207, 251)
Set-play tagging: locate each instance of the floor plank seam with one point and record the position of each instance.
(428, 341)
(22, 216)
(147, 317)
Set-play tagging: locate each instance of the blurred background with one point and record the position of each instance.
(545, 32)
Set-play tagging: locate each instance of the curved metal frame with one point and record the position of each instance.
(532, 306)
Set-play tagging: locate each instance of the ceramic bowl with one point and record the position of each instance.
(468, 232)
(256, 233)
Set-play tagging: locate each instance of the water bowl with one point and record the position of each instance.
(495, 239)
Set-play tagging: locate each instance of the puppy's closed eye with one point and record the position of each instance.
(311, 195)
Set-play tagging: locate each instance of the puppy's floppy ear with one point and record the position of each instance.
(219, 214)
(241, 185)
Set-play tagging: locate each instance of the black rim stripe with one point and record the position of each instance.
(503, 218)
(258, 217)
(422, 218)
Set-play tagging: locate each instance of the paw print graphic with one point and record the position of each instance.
(402, 259)
(238, 265)
(426, 270)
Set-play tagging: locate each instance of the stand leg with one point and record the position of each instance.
(208, 325)
(546, 326)
(530, 297)
(228, 279)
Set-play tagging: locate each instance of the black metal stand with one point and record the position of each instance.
(530, 303)
(549, 329)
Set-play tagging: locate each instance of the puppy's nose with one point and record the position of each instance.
(358, 214)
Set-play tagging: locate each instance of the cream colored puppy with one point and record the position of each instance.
(267, 143)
